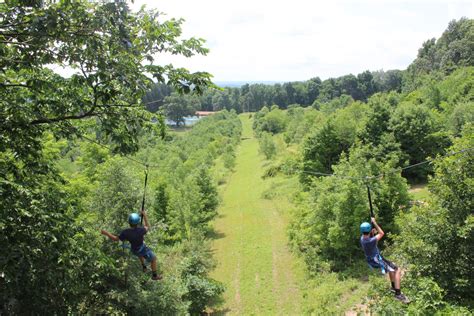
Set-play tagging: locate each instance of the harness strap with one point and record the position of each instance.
(138, 250)
(381, 263)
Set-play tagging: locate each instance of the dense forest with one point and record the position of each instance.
(371, 143)
(74, 152)
(435, 59)
(342, 148)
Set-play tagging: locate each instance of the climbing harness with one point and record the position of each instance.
(380, 263)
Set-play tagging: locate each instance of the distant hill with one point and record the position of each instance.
(238, 84)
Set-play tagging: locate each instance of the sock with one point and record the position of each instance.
(153, 273)
(398, 292)
(393, 285)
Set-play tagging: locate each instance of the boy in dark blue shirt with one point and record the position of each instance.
(135, 235)
(368, 241)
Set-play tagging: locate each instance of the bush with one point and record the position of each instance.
(437, 239)
(327, 224)
(267, 145)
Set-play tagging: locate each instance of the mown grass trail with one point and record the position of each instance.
(261, 275)
(253, 258)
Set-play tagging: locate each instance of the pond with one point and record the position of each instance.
(188, 120)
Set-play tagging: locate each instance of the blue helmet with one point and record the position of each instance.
(133, 219)
(365, 227)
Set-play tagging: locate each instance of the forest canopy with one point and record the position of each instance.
(57, 187)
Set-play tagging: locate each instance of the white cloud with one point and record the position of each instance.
(296, 40)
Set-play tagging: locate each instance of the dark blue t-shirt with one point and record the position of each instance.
(370, 246)
(134, 235)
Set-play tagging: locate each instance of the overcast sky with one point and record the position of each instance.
(290, 40)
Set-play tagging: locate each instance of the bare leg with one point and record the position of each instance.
(398, 274)
(392, 276)
(155, 276)
(153, 265)
(142, 261)
(398, 294)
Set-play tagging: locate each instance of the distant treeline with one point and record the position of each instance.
(436, 59)
(251, 98)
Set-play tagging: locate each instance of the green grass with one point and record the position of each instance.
(262, 276)
(419, 192)
(179, 130)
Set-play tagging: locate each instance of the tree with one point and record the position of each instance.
(117, 195)
(274, 122)
(154, 98)
(349, 85)
(279, 96)
(92, 155)
(221, 101)
(200, 288)
(437, 239)
(366, 84)
(419, 135)
(208, 197)
(314, 85)
(290, 92)
(336, 103)
(321, 150)
(37, 235)
(177, 107)
(257, 122)
(329, 90)
(454, 49)
(390, 80)
(267, 145)
(161, 204)
(456, 45)
(376, 125)
(462, 114)
(326, 225)
(110, 51)
(229, 159)
(301, 122)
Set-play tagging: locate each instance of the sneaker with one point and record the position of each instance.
(156, 277)
(392, 290)
(402, 298)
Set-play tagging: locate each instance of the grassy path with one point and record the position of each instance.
(253, 259)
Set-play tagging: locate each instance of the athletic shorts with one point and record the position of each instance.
(145, 252)
(387, 264)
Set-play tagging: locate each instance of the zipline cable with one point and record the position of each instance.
(395, 170)
(147, 166)
(126, 157)
(363, 178)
